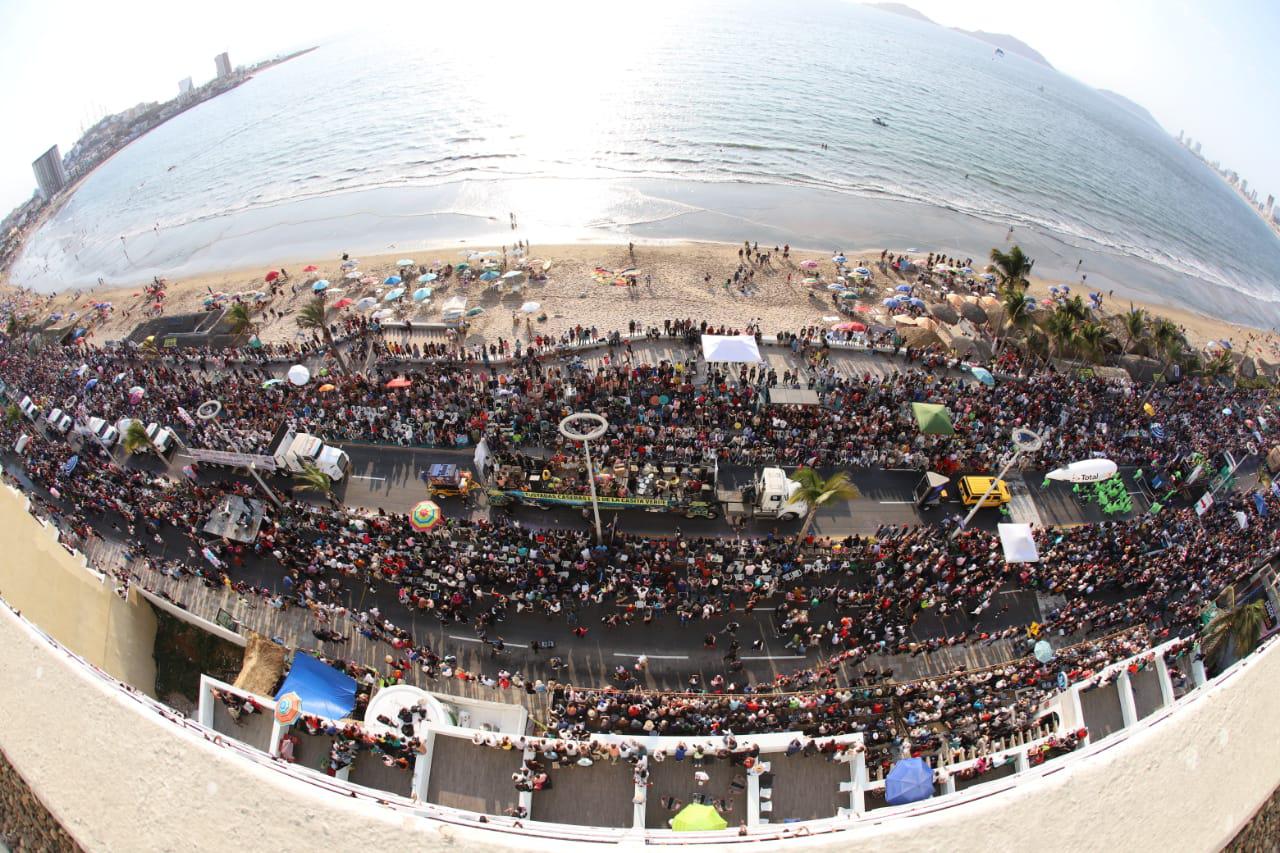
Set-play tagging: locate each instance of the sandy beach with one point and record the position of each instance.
(672, 283)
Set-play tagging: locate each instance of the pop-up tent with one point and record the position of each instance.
(696, 817)
(731, 348)
(1019, 545)
(932, 418)
(324, 691)
(910, 780)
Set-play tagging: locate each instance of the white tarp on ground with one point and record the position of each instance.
(737, 349)
(1019, 545)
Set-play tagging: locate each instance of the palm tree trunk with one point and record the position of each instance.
(333, 348)
(809, 518)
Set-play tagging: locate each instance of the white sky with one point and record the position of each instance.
(1208, 69)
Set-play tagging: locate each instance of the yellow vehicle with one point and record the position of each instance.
(973, 488)
(447, 481)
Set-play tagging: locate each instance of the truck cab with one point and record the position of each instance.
(59, 421)
(306, 449)
(29, 408)
(774, 491)
(161, 437)
(102, 431)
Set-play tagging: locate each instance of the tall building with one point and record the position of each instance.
(50, 176)
(223, 63)
(1271, 202)
(1244, 186)
(1197, 148)
(184, 89)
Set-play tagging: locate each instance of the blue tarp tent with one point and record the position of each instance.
(909, 781)
(324, 691)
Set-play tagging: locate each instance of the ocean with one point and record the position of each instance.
(709, 120)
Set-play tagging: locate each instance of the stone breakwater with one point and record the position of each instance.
(1262, 833)
(25, 824)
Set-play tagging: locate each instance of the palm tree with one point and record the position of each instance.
(1220, 365)
(1012, 268)
(1091, 338)
(12, 414)
(1234, 632)
(312, 479)
(818, 492)
(1013, 303)
(17, 325)
(1061, 329)
(312, 316)
(1135, 326)
(135, 439)
(1168, 340)
(239, 319)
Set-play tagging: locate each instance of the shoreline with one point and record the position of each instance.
(571, 295)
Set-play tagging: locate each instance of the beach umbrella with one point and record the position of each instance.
(839, 259)
(405, 262)
(136, 394)
(697, 817)
(91, 384)
(393, 295)
(848, 294)
(916, 302)
(379, 316)
(890, 303)
(932, 419)
(941, 268)
(272, 276)
(189, 471)
(809, 265)
(343, 303)
(909, 781)
(399, 382)
(986, 276)
(70, 465)
(1043, 651)
(326, 388)
(903, 288)
(299, 374)
(354, 275)
(833, 287)
(862, 271)
(288, 708)
(368, 279)
(422, 294)
(1084, 471)
(350, 264)
(425, 515)
(862, 309)
(310, 268)
(967, 270)
(983, 375)
(474, 312)
(427, 278)
(489, 275)
(391, 279)
(366, 303)
(271, 382)
(320, 286)
(530, 308)
(510, 274)
(851, 326)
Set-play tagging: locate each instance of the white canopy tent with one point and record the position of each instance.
(735, 349)
(1019, 545)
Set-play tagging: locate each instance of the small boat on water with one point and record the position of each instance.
(879, 122)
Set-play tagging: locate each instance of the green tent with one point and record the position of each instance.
(933, 419)
(696, 817)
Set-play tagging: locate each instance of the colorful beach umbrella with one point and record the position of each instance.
(910, 780)
(136, 394)
(310, 268)
(427, 278)
(474, 312)
(983, 375)
(425, 515)
(354, 275)
(809, 265)
(422, 294)
(933, 419)
(530, 307)
(903, 288)
(320, 286)
(489, 276)
(272, 276)
(288, 708)
(862, 271)
(399, 382)
(366, 303)
(326, 388)
(343, 303)
(405, 262)
(393, 295)
(391, 279)
(697, 817)
(851, 326)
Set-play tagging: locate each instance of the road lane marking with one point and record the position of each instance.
(897, 502)
(362, 477)
(650, 657)
(478, 640)
(772, 657)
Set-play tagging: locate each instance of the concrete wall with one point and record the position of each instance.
(54, 589)
(1187, 779)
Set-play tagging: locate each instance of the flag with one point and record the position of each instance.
(1202, 505)
(1242, 520)
(1260, 502)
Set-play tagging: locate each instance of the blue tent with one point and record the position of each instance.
(909, 781)
(983, 375)
(324, 691)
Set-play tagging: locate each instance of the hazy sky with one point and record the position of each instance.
(1208, 69)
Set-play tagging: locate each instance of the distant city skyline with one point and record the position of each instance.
(1197, 69)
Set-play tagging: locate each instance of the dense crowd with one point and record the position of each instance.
(1126, 585)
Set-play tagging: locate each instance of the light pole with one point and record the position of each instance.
(1024, 441)
(208, 411)
(598, 426)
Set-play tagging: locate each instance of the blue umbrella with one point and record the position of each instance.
(862, 271)
(391, 279)
(903, 288)
(320, 286)
(839, 259)
(909, 781)
(426, 278)
(983, 375)
(91, 384)
(422, 293)
(394, 295)
(70, 465)
(1043, 651)
(916, 302)
(490, 275)
(892, 303)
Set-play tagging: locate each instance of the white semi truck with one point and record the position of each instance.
(289, 453)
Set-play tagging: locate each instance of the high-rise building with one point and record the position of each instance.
(223, 64)
(1271, 203)
(1197, 148)
(1179, 136)
(184, 88)
(50, 176)
(1244, 186)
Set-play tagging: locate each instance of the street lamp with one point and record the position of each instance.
(208, 411)
(1024, 441)
(583, 427)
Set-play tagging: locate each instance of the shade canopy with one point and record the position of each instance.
(697, 817)
(933, 418)
(737, 349)
(983, 375)
(1018, 543)
(909, 781)
(321, 689)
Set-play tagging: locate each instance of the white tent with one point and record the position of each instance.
(1019, 545)
(737, 349)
